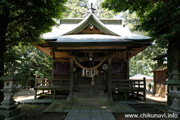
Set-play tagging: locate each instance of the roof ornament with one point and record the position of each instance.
(90, 10)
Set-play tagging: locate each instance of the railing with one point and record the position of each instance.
(42, 82)
(48, 87)
(135, 87)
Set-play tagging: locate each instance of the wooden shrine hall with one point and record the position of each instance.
(91, 59)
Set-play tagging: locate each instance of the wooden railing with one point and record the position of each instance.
(48, 87)
(135, 87)
(42, 82)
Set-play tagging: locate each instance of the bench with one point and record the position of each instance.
(130, 86)
(48, 87)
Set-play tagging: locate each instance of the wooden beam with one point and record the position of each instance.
(45, 50)
(53, 54)
(71, 81)
(127, 65)
(110, 79)
(53, 75)
(91, 47)
(98, 50)
(87, 58)
(144, 92)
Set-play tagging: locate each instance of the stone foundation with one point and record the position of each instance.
(14, 114)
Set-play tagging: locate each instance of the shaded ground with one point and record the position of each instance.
(153, 105)
(142, 109)
(35, 112)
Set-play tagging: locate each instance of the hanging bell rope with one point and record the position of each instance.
(92, 68)
(89, 72)
(92, 82)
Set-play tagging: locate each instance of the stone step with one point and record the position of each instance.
(88, 99)
(81, 94)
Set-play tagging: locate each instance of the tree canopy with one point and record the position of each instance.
(101, 12)
(142, 63)
(76, 8)
(23, 21)
(161, 19)
(28, 62)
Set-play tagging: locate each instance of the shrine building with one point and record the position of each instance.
(91, 59)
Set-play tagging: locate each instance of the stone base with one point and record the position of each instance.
(174, 111)
(14, 114)
(21, 116)
(8, 107)
(69, 100)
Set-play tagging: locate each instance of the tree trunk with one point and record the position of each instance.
(4, 24)
(173, 55)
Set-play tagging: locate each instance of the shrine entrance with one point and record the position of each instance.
(83, 84)
(90, 76)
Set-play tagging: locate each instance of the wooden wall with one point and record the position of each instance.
(102, 78)
(159, 88)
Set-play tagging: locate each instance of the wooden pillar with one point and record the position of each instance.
(71, 81)
(110, 79)
(144, 92)
(127, 65)
(53, 58)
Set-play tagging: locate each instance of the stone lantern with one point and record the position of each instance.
(8, 106)
(174, 92)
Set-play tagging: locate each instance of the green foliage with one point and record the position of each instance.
(161, 19)
(102, 13)
(23, 22)
(28, 62)
(142, 63)
(76, 8)
(26, 20)
(132, 20)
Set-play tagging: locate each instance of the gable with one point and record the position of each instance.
(87, 23)
(91, 29)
